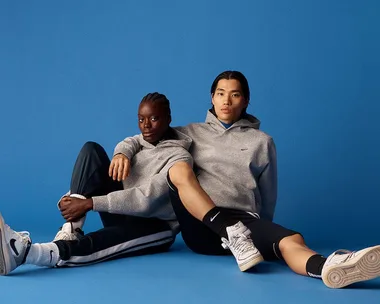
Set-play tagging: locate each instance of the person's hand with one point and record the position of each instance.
(59, 203)
(73, 208)
(119, 167)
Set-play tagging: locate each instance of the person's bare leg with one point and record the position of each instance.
(193, 197)
(296, 253)
(235, 235)
(339, 270)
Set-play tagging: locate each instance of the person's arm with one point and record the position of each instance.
(122, 156)
(72, 208)
(267, 184)
(144, 200)
(128, 147)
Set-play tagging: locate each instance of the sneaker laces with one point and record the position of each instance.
(24, 235)
(69, 236)
(63, 235)
(239, 242)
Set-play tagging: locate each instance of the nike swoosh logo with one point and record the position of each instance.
(12, 244)
(213, 218)
(51, 256)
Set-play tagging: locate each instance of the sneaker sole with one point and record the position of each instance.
(362, 268)
(4, 255)
(251, 263)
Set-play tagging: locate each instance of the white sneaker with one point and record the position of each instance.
(14, 247)
(67, 233)
(241, 246)
(345, 267)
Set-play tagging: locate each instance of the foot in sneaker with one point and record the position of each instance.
(67, 233)
(241, 245)
(14, 247)
(344, 267)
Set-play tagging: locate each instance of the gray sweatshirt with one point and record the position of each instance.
(146, 192)
(237, 167)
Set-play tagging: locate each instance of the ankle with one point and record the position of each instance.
(314, 266)
(43, 254)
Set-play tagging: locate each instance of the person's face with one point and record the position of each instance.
(228, 100)
(153, 121)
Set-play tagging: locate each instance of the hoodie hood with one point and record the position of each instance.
(248, 121)
(176, 138)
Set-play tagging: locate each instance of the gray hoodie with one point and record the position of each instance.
(146, 192)
(237, 167)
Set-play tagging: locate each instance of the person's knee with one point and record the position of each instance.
(291, 241)
(91, 146)
(180, 173)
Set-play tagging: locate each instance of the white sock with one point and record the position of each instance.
(43, 254)
(80, 222)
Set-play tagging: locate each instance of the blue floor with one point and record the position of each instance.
(179, 276)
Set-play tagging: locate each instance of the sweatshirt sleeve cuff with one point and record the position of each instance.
(100, 203)
(128, 154)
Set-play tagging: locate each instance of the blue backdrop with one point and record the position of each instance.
(74, 71)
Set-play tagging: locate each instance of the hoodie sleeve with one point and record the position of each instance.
(149, 199)
(268, 184)
(129, 147)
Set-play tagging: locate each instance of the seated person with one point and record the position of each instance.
(132, 201)
(230, 197)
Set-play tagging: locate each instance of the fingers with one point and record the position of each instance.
(119, 167)
(125, 169)
(68, 214)
(115, 167)
(111, 168)
(66, 199)
(64, 202)
(65, 213)
(69, 218)
(73, 208)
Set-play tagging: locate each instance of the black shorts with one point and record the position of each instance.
(266, 235)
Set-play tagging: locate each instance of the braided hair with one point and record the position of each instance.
(158, 98)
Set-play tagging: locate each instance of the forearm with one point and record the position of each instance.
(129, 147)
(147, 200)
(88, 204)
